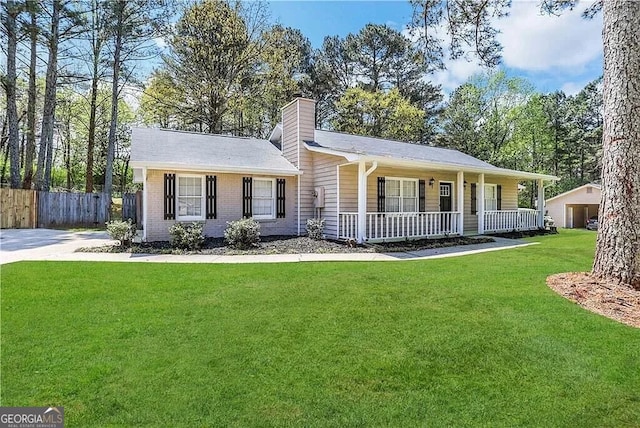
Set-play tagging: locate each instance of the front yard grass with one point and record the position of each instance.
(468, 341)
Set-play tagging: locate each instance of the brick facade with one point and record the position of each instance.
(229, 206)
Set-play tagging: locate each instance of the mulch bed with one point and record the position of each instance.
(427, 244)
(290, 245)
(615, 301)
(525, 233)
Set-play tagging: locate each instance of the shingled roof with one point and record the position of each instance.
(167, 149)
(354, 147)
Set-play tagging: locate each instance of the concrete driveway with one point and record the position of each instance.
(38, 244)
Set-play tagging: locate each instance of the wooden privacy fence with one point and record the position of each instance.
(18, 209)
(72, 209)
(132, 207)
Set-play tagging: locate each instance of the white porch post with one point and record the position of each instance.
(362, 202)
(540, 203)
(460, 192)
(480, 204)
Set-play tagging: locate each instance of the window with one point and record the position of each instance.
(190, 198)
(401, 195)
(263, 198)
(490, 197)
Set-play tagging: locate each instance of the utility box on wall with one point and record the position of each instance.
(318, 201)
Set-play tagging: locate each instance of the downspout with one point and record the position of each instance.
(362, 197)
(541, 202)
(298, 151)
(144, 204)
(480, 204)
(338, 201)
(370, 170)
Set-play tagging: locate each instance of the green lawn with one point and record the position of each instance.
(469, 341)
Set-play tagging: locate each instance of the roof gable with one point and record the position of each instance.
(577, 189)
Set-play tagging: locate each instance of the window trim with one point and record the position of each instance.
(416, 197)
(274, 196)
(495, 192)
(203, 207)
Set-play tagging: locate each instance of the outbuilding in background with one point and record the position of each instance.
(572, 209)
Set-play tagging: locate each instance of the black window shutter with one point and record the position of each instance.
(499, 196)
(422, 196)
(211, 196)
(247, 190)
(280, 198)
(474, 198)
(169, 196)
(381, 190)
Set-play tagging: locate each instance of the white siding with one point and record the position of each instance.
(577, 198)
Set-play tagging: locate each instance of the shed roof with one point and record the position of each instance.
(167, 149)
(562, 195)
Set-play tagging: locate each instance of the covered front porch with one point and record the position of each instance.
(398, 202)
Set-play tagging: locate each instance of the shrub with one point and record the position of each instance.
(122, 231)
(187, 236)
(315, 228)
(242, 234)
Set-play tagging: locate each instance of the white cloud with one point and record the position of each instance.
(160, 42)
(538, 42)
(456, 73)
(534, 42)
(392, 24)
(572, 88)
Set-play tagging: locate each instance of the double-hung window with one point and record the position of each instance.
(190, 198)
(490, 197)
(263, 201)
(401, 195)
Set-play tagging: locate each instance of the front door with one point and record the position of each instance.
(445, 206)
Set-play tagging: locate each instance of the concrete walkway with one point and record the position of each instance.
(60, 245)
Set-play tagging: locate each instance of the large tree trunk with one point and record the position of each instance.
(30, 150)
(111, 147)
(618, 247)
(96, 49)
(45, 151)
(91, 140)
(12, 111)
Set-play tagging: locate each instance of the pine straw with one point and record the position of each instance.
(618, 302)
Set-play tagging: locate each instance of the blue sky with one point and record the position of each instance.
(551, 52)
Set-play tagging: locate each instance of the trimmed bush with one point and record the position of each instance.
(242, 234)
(315, 228)
(122, 231)
(187, 236)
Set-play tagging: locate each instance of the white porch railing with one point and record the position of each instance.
(510, 220)
(348, 226)
(396, 226)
